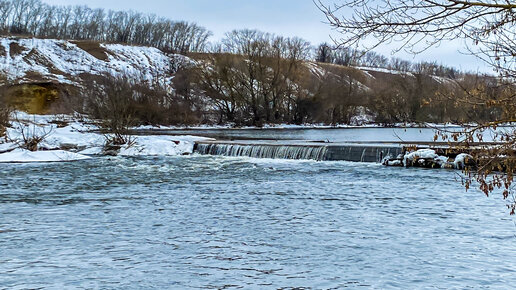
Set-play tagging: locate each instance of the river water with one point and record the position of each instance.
(315, 134)
(336, 135)
(214, 222)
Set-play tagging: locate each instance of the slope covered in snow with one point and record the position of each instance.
(25, 60)
(28, 59)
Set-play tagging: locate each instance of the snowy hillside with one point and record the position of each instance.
(28, 59)
(25, 60)
(217, 91)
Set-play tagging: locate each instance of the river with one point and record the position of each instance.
(335, 135)
(215, 222)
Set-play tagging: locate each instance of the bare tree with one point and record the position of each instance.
(487, 26)
(35, 18)
(5, 110)
(110, 100)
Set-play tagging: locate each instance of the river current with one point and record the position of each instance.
(215, 222)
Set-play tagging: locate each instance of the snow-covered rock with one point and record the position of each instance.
(412, 157)
(428, 158)
(461, 160)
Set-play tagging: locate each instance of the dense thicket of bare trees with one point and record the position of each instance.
(253, 77)
(34, 18)
(123, 101)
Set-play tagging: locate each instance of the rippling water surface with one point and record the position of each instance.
(210, 222)
(331, 134)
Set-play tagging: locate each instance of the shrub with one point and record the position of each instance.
(5, 111)
(110, 99)
(32, 136)
(122, 102)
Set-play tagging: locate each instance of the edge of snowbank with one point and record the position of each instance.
(25, 156)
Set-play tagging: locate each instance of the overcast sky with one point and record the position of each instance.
(284, 17)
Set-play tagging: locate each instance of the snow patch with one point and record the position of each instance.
(460, 160)
(62, 61)
(157, 146)
(25, 156)
(161, 146)
(69, 135)
(383, 70)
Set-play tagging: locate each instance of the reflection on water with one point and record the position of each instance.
(211, 222)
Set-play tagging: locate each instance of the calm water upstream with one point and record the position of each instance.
(213, 222)
(330, 134)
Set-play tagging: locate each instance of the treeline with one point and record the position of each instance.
(249, 77)
(38, 19)
(4, 111)
(346, 56)
(35, 18)
(256, 78)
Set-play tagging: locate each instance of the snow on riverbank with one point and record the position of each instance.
(158, 146)
(25, 156)
(70, 139)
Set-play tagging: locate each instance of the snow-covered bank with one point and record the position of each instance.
(26, 156)
(67, 138)
(152, 146)
(161, 146)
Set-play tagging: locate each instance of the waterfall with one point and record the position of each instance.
(264, 151)
(363, 155)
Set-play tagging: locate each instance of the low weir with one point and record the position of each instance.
(300, 151)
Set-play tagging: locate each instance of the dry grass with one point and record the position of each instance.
(5, 111)
(15, 49)
(93, 48)
(3, 52)
(35, 56)
(34, 77)
(341, 70)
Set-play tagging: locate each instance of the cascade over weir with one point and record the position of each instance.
(302, 150)
(280, 148)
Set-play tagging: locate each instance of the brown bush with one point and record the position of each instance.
(69, 101)
(122, 102)
(110, 100)
(5, 110)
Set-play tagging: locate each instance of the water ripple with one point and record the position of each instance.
(214, 222)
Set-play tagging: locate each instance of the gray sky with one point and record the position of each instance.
(284, 17)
